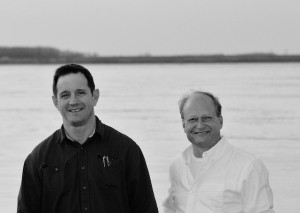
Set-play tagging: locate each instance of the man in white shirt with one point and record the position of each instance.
(211, 176)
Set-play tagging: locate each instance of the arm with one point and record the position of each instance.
(29, 199)
(168, 203)
(141, 196)
(257, 193)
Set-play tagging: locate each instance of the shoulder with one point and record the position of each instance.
(44, 147)
(119, 142)
(179, 162)
(248, 161)
(234, 153)
(116, 136)
(242, 155)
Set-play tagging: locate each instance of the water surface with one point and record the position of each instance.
(260, 110)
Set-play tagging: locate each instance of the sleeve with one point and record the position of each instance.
(141, 196)
(168, 203)
(257, 193)
(29, 198)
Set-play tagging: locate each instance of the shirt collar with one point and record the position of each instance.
(211, 155)
(98, 130)
(91, 135)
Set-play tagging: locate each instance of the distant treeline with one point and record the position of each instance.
(49, 55)
(16, 55)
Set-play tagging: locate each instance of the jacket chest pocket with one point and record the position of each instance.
(54, 176)
(109, 171)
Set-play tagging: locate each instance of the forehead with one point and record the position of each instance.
(199, 104)
(72, 81)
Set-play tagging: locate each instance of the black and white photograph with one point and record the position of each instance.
(150, 106)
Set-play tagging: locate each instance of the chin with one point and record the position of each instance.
(199, 142)
(75, 122)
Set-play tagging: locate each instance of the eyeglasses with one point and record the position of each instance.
(204, 119)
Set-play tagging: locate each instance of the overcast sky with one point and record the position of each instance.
(157, 27)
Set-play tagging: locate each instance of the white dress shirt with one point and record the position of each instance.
(225, 180)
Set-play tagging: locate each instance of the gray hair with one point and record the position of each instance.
(185, 97)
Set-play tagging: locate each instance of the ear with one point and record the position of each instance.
(96, 95)
(221, 121)
(54, 99)
(183, 124)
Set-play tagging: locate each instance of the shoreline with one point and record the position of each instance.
(246, 58)
(50, 55)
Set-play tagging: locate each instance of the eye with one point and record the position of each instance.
(192, 120)
(206, 118)
(64, 95)
(81, 92)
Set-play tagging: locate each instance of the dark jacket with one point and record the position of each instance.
(106, 174)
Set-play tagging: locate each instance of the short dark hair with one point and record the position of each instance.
(185, 97)
(72, 68)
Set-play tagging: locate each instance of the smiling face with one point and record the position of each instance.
(74, 99)
(200, 122)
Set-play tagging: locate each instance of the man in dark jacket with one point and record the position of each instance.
(85, 166)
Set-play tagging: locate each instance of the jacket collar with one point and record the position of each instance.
(211, 155)
(99, 130)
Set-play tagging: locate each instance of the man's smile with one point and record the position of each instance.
(75, 110)
(200, 132)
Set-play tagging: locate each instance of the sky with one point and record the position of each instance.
(155, 27)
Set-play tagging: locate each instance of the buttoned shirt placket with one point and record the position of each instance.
(83, 168)
(194, 184)
(84, 188)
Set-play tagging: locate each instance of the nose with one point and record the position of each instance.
(73, 100)
(200, 124)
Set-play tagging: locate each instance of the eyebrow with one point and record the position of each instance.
(62, 92)
(196, 116)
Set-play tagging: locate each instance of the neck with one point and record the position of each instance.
(198, 151)
(80, 133)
